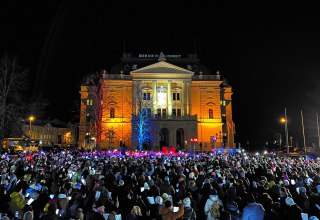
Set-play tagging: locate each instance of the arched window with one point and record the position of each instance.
(112, 113)
(210, 113)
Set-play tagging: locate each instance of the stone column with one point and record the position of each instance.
(154, 97)
(182, 99)
(169, 98)
(188, 87)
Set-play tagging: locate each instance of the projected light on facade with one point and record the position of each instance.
(162, 97)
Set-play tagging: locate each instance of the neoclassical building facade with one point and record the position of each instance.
(190, 106)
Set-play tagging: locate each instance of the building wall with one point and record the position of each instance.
(117, 95)
(206, 97)
(198, 97)
(50, 135)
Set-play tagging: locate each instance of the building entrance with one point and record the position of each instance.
(180, 139)
(164, 137)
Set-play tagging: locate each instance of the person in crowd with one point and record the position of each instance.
(167, 212)
(28, 215)
(135, 213)
(51, 213)
(213, 206)
(189, 212)
(253, 210)
(17, 201)
(293, 210)
(214, 186)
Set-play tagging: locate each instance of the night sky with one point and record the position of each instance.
(270, 55)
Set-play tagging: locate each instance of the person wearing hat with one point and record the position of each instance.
(166, 211)
(189, 212)
(51, 214)
(293, 211)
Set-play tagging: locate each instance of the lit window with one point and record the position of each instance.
(178, 112)
(174, 112)
(146, 96)
(110, 136)
(164, 112)
(210, 113)
(176, 96)
(112, 113)
(89, 101)
(224, 103)
(162, 97)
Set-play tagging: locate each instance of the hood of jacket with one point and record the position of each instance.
(15, 195)
(214, 197)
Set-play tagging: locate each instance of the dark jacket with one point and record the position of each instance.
(92, 215)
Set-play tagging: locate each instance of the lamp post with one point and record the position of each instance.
(31, 118)
(285, 121)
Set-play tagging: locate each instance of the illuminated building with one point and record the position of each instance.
(185, 99)
(52, 132)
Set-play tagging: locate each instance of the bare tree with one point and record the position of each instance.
(142, 122)
(12, 84)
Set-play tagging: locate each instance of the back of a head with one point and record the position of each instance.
(167, 204)
(28, 215)
(79, 215)
(213, 191)
(224, 215)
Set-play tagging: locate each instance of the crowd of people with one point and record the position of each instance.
(95, 185)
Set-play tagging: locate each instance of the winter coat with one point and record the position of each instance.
(253, 211)
(17, 203)
(166, 188)
(189, 213)
(209, 202)
(168, 214)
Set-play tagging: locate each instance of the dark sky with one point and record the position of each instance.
(269, 54)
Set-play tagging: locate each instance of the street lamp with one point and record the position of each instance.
(31, 118)
(285, 121)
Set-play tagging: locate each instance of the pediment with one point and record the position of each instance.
(161, 69)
